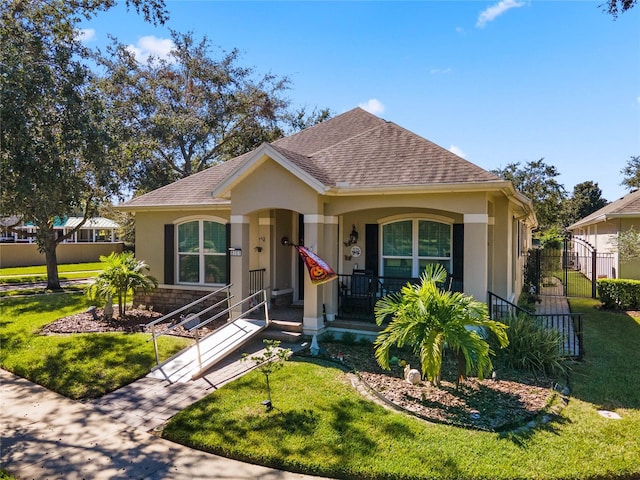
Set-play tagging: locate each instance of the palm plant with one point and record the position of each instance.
(122, 274)
(427, 317)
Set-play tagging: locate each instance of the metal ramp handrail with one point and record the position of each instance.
(229, 310)
(186, 307)
(203, 323)
(185, 319)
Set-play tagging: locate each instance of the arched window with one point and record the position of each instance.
(202, 252)
(408, 246)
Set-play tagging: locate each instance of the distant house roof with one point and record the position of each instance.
(355, 151)
(627, 206)
(72, 222)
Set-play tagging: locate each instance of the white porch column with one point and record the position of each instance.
(313, 321)
(476, 258)
(239, 264)
(329, 253)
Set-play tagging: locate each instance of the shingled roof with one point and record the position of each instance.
(355, 150)
(627, 206)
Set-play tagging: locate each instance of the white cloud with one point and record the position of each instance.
(457, 151)
(440, 71)
(85, 35)
(151, 46)
(373, 105)
(638, 99)
(494, 11)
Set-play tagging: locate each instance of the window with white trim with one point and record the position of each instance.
(408, 246)
(202, 252)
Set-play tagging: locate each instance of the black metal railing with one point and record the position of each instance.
(567, 325)
(256, 280)
(359, 291)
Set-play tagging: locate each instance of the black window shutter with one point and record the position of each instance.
(228, 272)
(371, 247)
(458, 256)
(169, 251)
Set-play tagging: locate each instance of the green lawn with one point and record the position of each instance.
(38, 273)
(79, 365)
(320, 425)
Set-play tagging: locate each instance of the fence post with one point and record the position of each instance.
(594, 272)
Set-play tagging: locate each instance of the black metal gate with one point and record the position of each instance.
(572, 270)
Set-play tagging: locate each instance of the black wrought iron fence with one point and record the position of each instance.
(567, 325)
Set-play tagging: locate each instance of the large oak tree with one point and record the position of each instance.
(58, 152)
(193, 109)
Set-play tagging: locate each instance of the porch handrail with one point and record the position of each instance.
(510, 306)
(572, 344)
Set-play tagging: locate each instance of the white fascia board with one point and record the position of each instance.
(172, 208)
(259, 156)
(418, 188)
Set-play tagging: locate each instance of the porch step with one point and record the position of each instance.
(284, 331)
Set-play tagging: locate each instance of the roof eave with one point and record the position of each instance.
(222, 205)
(344, 190)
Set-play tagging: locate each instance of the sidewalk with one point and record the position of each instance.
(47, 436)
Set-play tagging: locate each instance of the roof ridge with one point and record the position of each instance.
(367, 131)
(323, 125)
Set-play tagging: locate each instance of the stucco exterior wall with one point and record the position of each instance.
(150, 234)
(26, 254)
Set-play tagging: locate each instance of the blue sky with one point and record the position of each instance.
(493, 81)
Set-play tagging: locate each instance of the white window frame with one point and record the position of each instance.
(415, 258)
(200, 253)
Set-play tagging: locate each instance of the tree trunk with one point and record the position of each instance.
(51, 258)
(108, 308)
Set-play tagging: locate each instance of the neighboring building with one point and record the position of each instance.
(374, 200)
(601, 228)
(98, 236)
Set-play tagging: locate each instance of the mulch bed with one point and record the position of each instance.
(495, 405)
(133, 321)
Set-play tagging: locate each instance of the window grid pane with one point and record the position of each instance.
(189, 268)
(397, 267)
(215, 269)
(445, 263)
(397, 239)
(188, 237)
(215, 237)
(434, 239)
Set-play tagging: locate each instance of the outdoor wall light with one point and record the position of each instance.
(353, 237)
(285, 241)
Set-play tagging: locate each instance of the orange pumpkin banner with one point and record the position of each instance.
(319, 271)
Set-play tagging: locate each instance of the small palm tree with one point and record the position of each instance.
(122, 274)
(427, 317)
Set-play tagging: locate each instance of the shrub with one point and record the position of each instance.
(348, 338)
(532, 348)
(620, 294)
(527, 301)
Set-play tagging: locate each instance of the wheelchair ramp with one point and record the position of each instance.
(196, 359)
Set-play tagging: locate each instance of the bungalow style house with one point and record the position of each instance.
(601, 228)
(374, 200)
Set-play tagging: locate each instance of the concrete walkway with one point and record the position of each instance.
(47, 436)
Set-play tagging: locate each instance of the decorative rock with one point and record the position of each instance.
(610, 415)
(413, 376)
